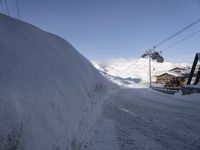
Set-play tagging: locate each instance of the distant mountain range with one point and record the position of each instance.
(134, 71)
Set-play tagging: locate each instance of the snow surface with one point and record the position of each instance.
(135, 69)
(143, 119)
(126, 82)
(50, 95)
(193, 86)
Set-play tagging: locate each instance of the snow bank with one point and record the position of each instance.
(50, 95)
(193, 86)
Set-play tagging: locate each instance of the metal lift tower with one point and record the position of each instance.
(196, 59)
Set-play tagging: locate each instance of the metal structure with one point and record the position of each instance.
(152, 55)
(196, 59)
(5, 9)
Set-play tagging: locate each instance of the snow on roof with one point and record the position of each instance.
(173, 73)
(186, 71)
(177, 68)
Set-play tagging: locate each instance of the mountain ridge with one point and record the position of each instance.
(135, 68)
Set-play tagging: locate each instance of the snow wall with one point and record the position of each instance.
(50, 95)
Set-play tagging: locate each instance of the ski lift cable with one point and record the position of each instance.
(180, 31)
(2, 6)
(7, 8)
(181, 40)
(18, 13)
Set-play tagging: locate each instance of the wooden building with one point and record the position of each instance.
(176, 74)
(163, 78)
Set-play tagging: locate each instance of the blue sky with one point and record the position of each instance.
(105, 29)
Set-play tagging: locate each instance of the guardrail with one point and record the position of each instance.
(166, 90)
(173, 90)
(190, 90)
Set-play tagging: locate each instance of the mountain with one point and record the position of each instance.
(135, 70)
(50, 95)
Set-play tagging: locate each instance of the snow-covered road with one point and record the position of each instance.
(147, 120)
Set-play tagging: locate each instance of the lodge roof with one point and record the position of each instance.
(172, 73)
(180, 73)
(178, 68)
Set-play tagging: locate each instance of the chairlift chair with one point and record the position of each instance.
(155, 55)
(160, 59)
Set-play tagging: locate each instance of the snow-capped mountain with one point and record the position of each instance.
(50, 95)
(135, 68)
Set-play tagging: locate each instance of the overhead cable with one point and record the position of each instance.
(181, 40)
(180, 31)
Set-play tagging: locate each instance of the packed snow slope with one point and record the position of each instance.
(143, 119)
(130, 69)
(50, 95)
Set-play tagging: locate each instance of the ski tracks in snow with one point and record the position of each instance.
(139, 119)
(103, 137)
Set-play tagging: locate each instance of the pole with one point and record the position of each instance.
(18, 13)
(149, 70)
(7, 8)
(2, 6)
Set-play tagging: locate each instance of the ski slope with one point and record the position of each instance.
(50, 95)
(142, 119)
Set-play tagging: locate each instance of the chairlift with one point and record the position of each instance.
(146, 53)
(155, 55)
(160, 59)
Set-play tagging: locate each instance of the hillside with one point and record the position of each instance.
(50, 95)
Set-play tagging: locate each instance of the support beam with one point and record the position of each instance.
(198, 77)
(150, 72)
(196, 59)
